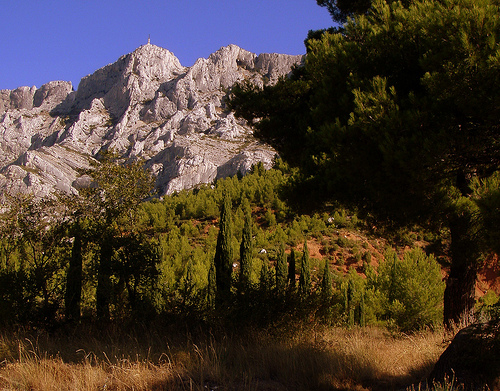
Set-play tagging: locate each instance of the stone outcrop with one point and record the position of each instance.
(472, 359)
(145, 105)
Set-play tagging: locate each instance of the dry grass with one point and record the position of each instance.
(307, 358)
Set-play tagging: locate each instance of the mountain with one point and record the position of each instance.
(145, 105)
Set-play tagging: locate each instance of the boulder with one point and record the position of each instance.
(472, 358)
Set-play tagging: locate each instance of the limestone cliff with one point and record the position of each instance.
(145, 105)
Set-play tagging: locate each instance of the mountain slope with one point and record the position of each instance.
(145, 105)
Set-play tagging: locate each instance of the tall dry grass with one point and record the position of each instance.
(301, 358)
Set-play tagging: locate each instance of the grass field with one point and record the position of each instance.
(295, 357)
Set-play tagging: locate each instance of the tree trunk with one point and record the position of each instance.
(74, 280)
(103, 291)
(459, 295)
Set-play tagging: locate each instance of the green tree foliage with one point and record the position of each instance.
(223, 259)
(265, 279)
(211, 287)
(281, 270)
(292, 270)
(401, 105)
(326, 282)
(341, 9)
(305, 272)
(112, 205)
(160, 262)
(246, 251)
(410, 290)
(350, 294)
(34, 257)
(137, 271)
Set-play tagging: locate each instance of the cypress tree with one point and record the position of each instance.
(223, 259)
(374, 101)
(362, 311)
(212, 287)
(350, 302)
(305, 272)
(291, 270)
(265, 277)
(326, 282)
(281, 270)
(188, 289)
(246, 251)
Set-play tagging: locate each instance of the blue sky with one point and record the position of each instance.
(45, 40)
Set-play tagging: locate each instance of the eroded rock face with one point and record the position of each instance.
(145, 105)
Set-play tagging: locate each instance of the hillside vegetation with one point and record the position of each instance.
(374, 227)
(176, 332)
(161, 252)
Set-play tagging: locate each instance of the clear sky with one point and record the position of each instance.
(45, 40)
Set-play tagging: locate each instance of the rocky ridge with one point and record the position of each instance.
(145, 105)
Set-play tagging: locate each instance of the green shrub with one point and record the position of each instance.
(410, 290)
(488, 306)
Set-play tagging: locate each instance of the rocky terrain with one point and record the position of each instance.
(145, 105)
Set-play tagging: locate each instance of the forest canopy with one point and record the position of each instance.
(398, 116)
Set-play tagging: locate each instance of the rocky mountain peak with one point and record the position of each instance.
(132, 78)
(145, 105)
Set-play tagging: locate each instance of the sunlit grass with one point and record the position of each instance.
(301, 358)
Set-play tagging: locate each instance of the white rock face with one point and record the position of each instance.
(145, 105)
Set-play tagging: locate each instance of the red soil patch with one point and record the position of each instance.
(489, 277)
(315, 248)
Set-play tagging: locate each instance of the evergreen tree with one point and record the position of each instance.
(188, 287)
(211, 286)
(340, 10)
(402, 105)
(291, 270)
(350, 303)
(265, 280)
(326, 282)
(246, 251)
(305, 272)
(410, 290)
(223, 259)
(281, 270)
(362, 311)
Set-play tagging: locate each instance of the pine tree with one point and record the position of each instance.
(305, 272)
(281, 271)
(223, 259)
(246, 251)
(411, 124)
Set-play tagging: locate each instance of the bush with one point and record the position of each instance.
(409, 290)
